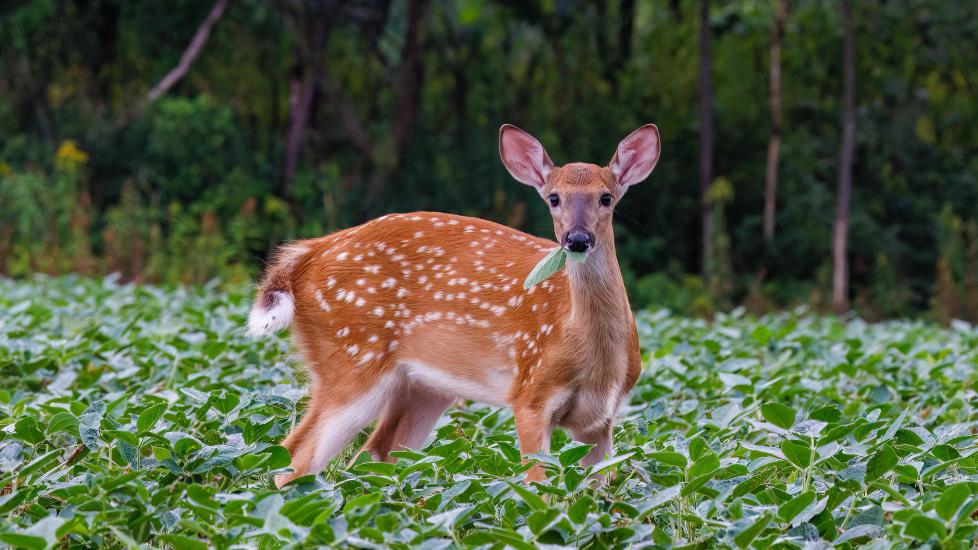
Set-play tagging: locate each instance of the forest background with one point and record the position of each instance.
(815, 152)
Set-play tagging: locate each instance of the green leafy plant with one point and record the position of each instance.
(137, 416)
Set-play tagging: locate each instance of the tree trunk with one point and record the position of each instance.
(407, 101)
(412, 74)
(190, 54)
(840, 275)
(305, 75)
(302, 85)
(706, 135)
(774, 143)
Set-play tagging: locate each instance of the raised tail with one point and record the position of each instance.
(274, 305)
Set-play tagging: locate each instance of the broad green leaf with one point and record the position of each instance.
(532, 499)
(865, 531)
(550, 264)
(183, 541)
(881, 462)
(19, 540)
(793, 507)
(572, 454)
(951, 499)
(450, 518)
(27, 429)
(147, 419)
(62, 421)
(780, 415)
(669, 458)
(382, 468)
(90, 425)
(707, 463)
(747, 536)
(730, 379)
(658, 499)
(799, 454)
(923, 528)
(608, 463)
(577, 512)
(540, 520)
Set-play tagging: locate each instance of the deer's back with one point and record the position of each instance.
(428, 289)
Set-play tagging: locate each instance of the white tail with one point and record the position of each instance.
(400, 316)
(274, 306)
(272, 317)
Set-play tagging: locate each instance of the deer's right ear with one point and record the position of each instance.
(636, 156)
(523, 156)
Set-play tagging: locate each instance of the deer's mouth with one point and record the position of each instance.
(576, 256)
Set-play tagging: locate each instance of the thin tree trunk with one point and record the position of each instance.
(626, 28)
(302, 85)
(706, 135)
(774, 143)
(407, 101)
(840, 275)
(412, 73)
(190, 54)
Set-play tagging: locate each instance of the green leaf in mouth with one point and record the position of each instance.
(550, 264)
(576, 256)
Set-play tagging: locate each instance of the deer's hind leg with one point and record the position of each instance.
(407, 420)
(338, 410)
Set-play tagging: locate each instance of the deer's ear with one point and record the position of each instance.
(523, 156)
(636, 156)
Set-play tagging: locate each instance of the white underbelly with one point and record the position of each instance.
(492, 387)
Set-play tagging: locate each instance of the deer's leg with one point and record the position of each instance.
(600, 437)
(533, 427)
(380, 440)
(406, 422)
(333, 419)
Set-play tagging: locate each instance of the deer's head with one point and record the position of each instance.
(581, 196)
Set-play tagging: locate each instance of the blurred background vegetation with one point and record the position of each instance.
(179, 141)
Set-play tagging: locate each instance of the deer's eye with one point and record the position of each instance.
(606, 199)
(554, 200)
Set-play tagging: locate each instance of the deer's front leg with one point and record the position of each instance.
(533, 427)
(600, 437)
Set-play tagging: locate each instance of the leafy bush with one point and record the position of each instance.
(133, 415)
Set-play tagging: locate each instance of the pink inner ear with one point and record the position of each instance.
(636, 156)
(524, 157)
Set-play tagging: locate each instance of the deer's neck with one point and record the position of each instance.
(599, 304)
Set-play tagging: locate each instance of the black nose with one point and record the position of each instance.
(579, 241)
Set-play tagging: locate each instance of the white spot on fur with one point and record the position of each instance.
(323, 304)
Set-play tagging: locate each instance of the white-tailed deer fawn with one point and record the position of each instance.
(400, 316)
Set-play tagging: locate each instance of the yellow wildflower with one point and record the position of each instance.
(69, 156)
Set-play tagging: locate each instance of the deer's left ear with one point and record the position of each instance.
(523, 156)
(636, 156)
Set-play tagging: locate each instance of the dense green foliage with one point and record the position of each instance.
(94, 180)
(133, 415)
